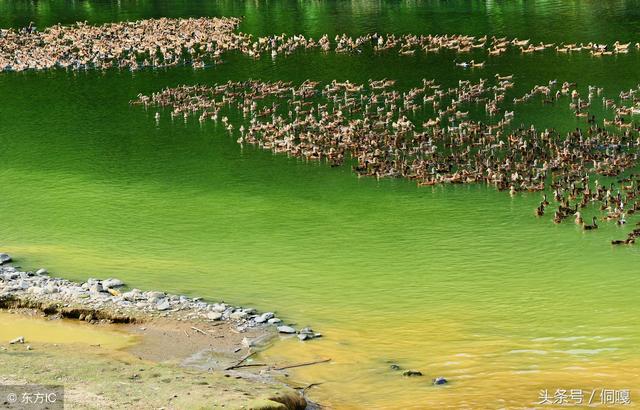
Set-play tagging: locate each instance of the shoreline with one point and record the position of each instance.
(218, 340)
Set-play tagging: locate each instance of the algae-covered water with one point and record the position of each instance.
(458, 281)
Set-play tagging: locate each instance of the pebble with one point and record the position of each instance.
(96, 287)
(238, 315)
(440, 380)
(4, 258)
(96, 295)
(219, 307)
(394, 367)
(307, 333)
(19, 339)
(214, 315)
(264, 317)
(286, 329)
(112, 283)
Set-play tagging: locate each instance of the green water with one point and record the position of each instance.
(458, 281)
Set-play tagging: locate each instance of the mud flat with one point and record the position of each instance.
(116, 348)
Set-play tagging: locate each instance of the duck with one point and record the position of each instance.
(591, 227)
(557, 217)
(627, 241)
(621, 221)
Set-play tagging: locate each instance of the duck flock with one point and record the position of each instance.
(377, 128)
(424, 133)
(199, 42)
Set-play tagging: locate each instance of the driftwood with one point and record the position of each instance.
(249, 365)
(235, 366)
(302, 364)
(307, 387)
(198, 330)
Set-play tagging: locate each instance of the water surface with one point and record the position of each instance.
(460, 281)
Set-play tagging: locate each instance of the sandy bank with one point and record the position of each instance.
(171, 352)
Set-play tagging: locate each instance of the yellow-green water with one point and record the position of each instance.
(38, 331)
(461, 281)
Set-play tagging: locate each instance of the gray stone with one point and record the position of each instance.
(50, 288)
(286, 329)
(394, 367)
(4, 258)
(41, 271)
(164, 305)
(264, 317)
(17, 340)
(96, 287)
(440, 380)
(238, 315)
(154, 297)
(112, 283)
(214, 315)
(274, 321)
(219, 307)
(131, 296)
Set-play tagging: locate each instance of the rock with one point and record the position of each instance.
(286, 329)
(131, 296)
(238, 315)
(154, 297)
(112, 283)
(214, 315)
(96, 287)
(23, 284)
(164, 305)
(274, 321)
(307, 334)
(219, 307)
(49, 289)
(41, 271)
(28, 347)
(440, 380)
(4, 258)
(395, 367)
(410, 373)
(264, 317)
(19, 339)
